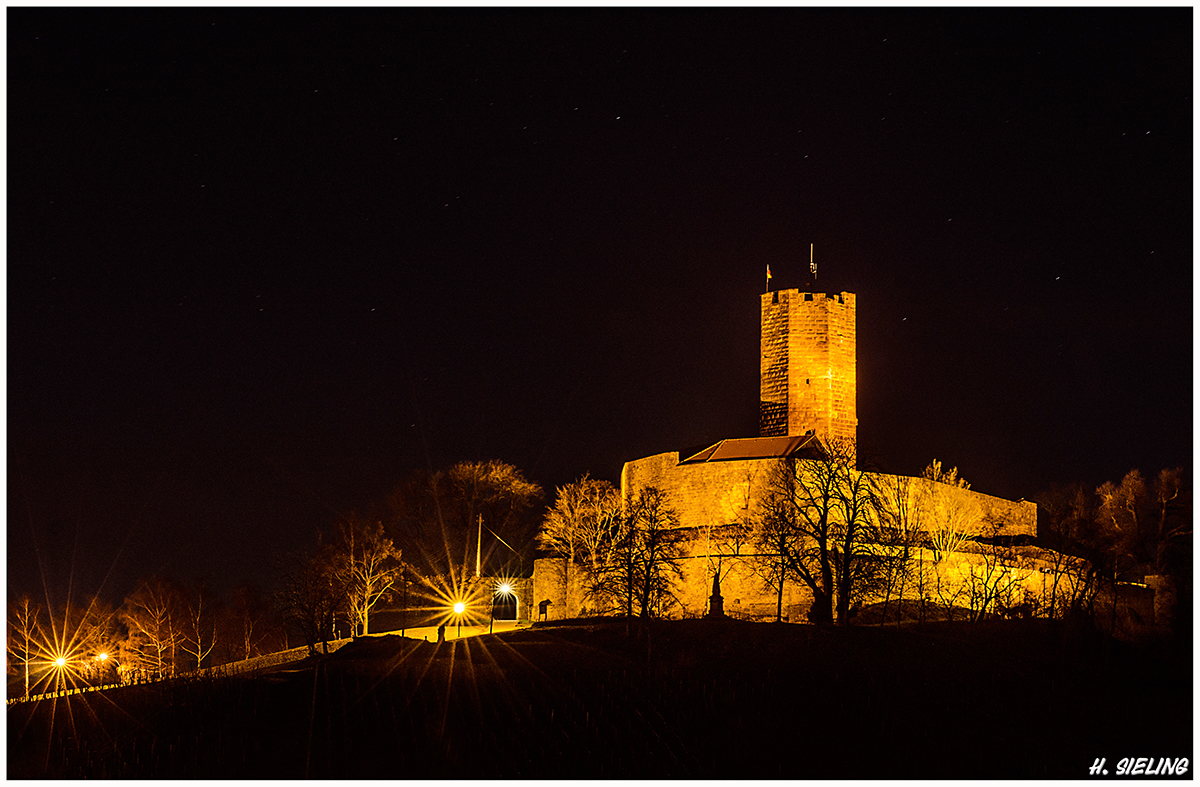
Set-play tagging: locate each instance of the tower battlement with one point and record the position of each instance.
(808, 364)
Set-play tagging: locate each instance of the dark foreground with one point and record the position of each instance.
(684, 699)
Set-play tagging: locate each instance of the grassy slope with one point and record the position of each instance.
(683, 699)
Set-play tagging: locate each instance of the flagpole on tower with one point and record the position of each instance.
(768, 277)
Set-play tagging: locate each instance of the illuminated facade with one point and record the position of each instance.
(807, 394)
(808, 364)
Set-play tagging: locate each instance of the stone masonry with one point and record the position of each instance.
(808, 373)
(808, 364)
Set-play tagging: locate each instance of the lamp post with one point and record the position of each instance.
(101, 660)
(404, 585)
(60, 667)
(459, 608)
(503, 589)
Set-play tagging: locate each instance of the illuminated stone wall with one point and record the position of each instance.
(743, 591)
(1013, 518)
(703, 494)
(746, 596)
(709, 494)
(808, 364)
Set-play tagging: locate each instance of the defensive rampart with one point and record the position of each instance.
(708, 494)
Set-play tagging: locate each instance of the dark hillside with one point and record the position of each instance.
(680, 699)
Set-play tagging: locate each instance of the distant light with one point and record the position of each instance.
(459, 607)
(60, 662)
(103, 657)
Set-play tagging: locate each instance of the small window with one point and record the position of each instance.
(808, 296)
(775, 297)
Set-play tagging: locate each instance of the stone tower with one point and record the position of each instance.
(808, 365)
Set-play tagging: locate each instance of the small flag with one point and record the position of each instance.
(768, 273)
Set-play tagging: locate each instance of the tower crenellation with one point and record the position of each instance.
(808, 364)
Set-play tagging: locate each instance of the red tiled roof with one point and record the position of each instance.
(757, 448)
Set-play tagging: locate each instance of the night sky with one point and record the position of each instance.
(264, 264)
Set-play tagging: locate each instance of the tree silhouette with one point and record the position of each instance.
(579, 528)
(154, 617)
(368, 566)
(310, 594)
(24, 631)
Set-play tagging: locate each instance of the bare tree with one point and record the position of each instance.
(579, 529)
(1070, 513)
(900, 517)
(153, 616)
(949, 518)
(1070, 583)
(1142, 529)
(646, 551)
(777, 543)
(310, 595)
(934, 472)
(24, 633)
(660, 546)
(858, 559)
(442, 518)
(249, 611)
(801, 495)
(200, 610)
(1173, 522)
(832, 506)
(492, 493)
(996, 571)
(1121, 507)
(368, 565)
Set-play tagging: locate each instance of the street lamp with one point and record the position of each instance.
(60, 669)
(459, 608)
(502, 589)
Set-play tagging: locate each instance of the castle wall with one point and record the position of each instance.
(744, 592)
(703, 494)
(981, 515)
(707, 494)
(1009, 578)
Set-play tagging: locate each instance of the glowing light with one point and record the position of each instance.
(505, 589)
(60, 662)
(102, 657)
(459, 607)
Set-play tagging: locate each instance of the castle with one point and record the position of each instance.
(807, 393)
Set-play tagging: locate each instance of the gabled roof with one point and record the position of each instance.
(803, 446)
